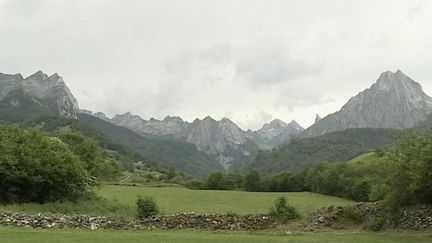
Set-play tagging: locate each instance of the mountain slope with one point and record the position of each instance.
(222, 140)
(394, 101)
(34, 96)
(181, 155)
(338, 146)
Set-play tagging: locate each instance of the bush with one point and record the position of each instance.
(38, 168)
(355, 215)
(282, 211)
(146, 207)
(376, 223)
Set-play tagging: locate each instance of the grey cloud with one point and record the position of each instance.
(273, 65)
(288, 59)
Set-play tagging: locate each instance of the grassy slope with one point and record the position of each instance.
(15, 235)
(300, 153)
(366, 164)
(120, 201)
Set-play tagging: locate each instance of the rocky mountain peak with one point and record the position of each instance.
(9, 83)
(125, 117)
(317, 118)
(173, 119)
(393, 101)
(275, 133)
(209, 119)
(39, 76)
(295, 125)
(277, 122)
(43, 90)
(398, 80)
(17, 76)
(226, 120)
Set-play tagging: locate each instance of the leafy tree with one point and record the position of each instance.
(252, 181)
(214, 181)
(38, 168)
(95, 161)
(408, 171)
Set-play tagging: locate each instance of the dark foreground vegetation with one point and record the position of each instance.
(35, 167)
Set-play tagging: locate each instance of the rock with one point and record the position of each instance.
(394, 101)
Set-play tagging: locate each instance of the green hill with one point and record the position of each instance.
(301, 153)
(183, 156)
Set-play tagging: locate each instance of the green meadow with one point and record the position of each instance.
(20, 235)
(120, 201)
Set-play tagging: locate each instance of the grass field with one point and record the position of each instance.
(175, 199)
(20, 235)
(120, 201)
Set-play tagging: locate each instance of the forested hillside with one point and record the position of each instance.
(300, 153)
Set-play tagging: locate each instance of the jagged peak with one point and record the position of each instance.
(227, 120)
(39, 74)
(18, 75)
(317, 118)
(396, 80)
(173, 118)
(208, 118)
(390, 76)
(295, 125)
(278, 122)
(126, 116)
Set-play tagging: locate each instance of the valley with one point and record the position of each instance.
(328, 175)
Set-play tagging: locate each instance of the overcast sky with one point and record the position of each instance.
(251, 61)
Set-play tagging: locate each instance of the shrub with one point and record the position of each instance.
(355, 215)
(282, 211)
(38, 168)
(376, 223)
(146, 207)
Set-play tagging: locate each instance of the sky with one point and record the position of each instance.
(250, 61)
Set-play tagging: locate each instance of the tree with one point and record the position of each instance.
(38, 168)
(408, 172)
(214, 181)
(95, 161)
(252, 181)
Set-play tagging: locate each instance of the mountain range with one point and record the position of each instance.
(394, 101)
(223, 140)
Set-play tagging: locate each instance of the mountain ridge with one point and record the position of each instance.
(394, 101)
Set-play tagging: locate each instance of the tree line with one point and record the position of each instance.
(400, 175)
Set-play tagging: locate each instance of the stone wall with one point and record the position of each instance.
(178, 221)
(411, 218)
